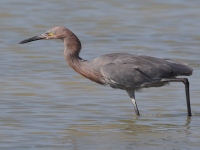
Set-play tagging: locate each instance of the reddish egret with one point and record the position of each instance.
(120, 70)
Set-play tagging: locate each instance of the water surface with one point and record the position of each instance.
(44, 104)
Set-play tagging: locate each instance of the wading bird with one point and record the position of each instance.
(120, 70)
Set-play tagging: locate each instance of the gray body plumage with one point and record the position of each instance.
(127, 71)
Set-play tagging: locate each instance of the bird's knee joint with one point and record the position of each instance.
(185, 81)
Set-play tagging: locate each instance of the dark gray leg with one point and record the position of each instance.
(131, 94)
(187, 92)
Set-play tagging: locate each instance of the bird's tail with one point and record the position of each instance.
(179, 68)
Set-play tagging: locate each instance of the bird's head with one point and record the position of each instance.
(58, 32)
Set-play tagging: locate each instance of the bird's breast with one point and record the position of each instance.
(88, 72)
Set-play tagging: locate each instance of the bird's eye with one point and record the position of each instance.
(50, 34)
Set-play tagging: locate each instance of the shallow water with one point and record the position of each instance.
(44, 104)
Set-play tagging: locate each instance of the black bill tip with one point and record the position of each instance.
(35, 38)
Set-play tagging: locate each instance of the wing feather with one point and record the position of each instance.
(121, 70)
(131, 71)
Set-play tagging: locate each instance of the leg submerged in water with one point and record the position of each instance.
(131, 94)
(187, 91)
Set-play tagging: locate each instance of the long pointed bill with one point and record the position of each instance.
(35, 38)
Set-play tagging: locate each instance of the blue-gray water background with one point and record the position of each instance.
(46, 105)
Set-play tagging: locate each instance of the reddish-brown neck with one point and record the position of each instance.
(72, 49)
